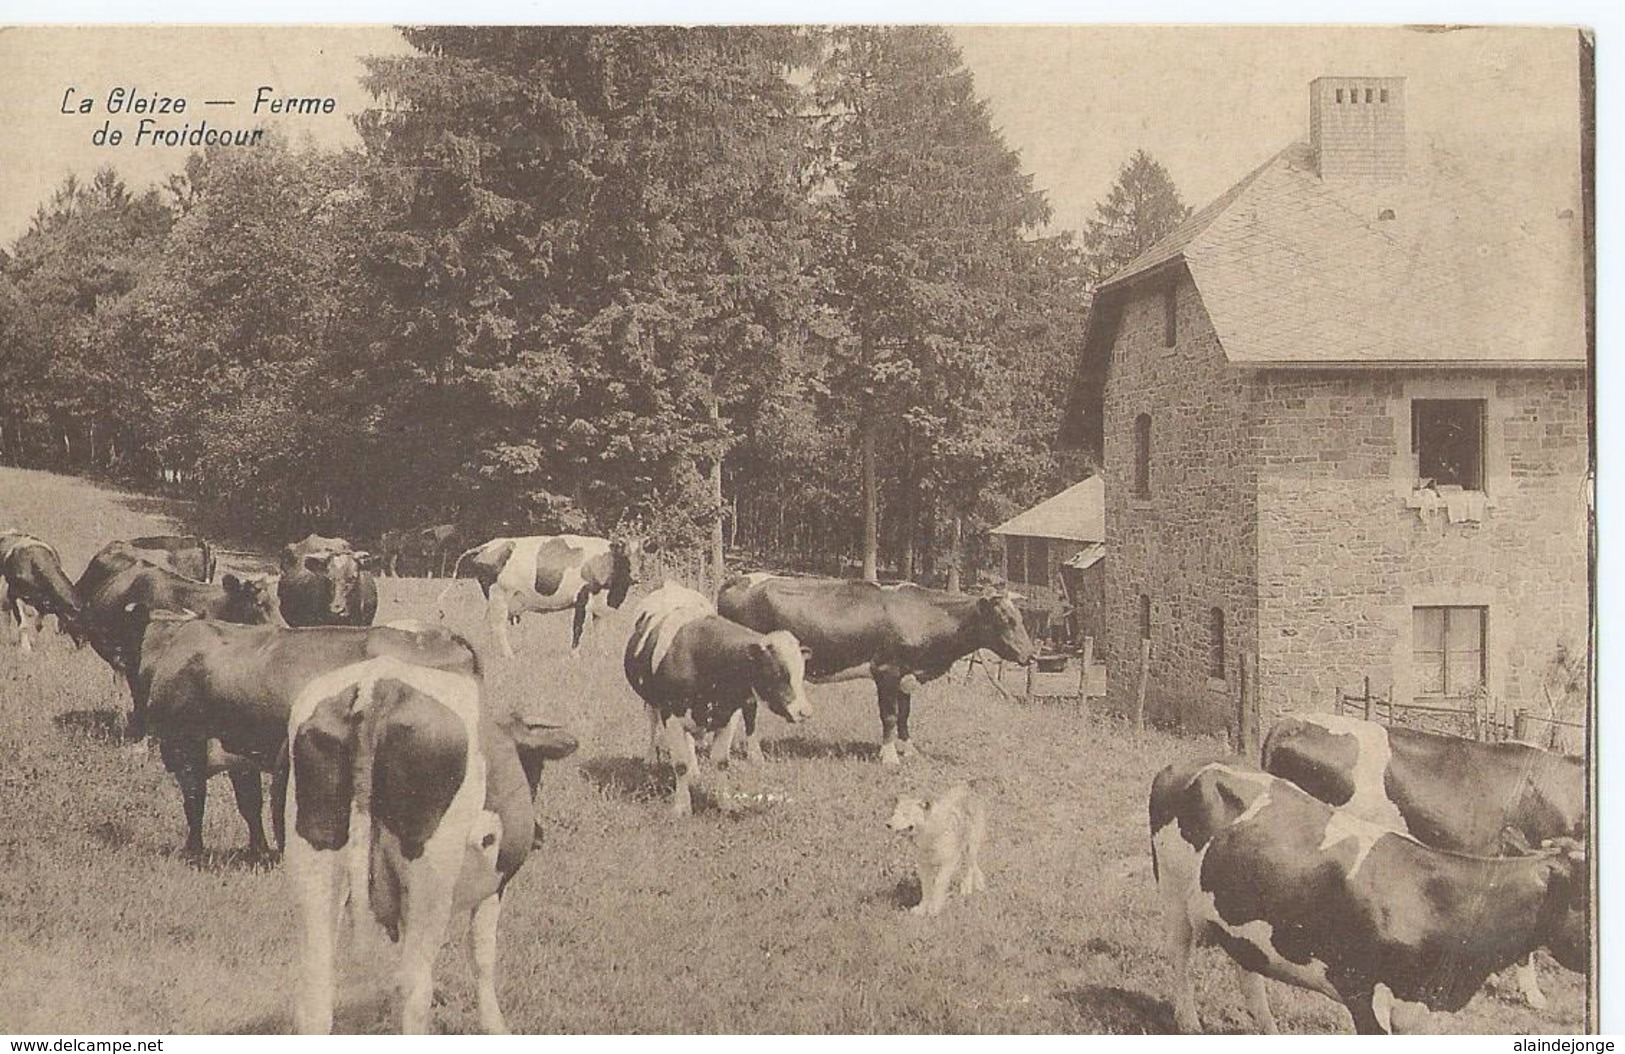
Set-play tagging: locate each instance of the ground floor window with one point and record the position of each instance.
(1215, 644)
(1026, 560)
(1447, 645)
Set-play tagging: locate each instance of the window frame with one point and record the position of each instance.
(1419, 406)
(1142, 456)
(1216, 658)
(1170, 315)
(1420, 667)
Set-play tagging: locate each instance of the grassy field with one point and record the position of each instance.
(783, 914)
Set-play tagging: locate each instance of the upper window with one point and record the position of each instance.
(1142, 455)
(1170, 315)
(1447, 436)
(1447, 649)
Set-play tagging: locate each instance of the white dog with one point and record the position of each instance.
(948, 832)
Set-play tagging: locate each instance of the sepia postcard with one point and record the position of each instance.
(798, 529)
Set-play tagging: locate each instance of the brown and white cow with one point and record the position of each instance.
(408, 799)
(695, 669)
(899, 635)
(325, 582)
(31, 574)
(1445, 791)
(216, 696)
(549, 573)
(188, 554)
(1296, 890)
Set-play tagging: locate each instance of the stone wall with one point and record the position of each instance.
(1190, 546)
(1343, 558)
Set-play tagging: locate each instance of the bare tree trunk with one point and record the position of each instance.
(955, 557)
(871, 571)
(714, 409)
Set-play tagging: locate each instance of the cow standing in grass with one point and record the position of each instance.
(566, 572)
(1298, 891)
(216, 697)
(325, 582)
(116, 614)
(899, 635)
(31, 574)
(695, 669)
(1445, 791)
(409, 800)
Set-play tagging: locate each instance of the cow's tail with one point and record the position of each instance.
(452, 580)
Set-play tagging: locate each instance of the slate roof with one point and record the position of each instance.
(1294, 270)
(1078, 514)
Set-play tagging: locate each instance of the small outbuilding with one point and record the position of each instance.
(1053, 558)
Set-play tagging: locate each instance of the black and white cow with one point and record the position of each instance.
(899, 635)
(695, 669)
(216, 696)
(549, 573)
(1445, 791)
(325, 582)
(1296, 890)
(31, 574)
(407, 798)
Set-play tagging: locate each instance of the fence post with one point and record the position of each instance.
(1245, 734)
(1145, 675)
(1519, 723)
(1368, 699)
(1088, 665)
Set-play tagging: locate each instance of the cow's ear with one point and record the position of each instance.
(756, 649)
(316, 564)
(806, 652)
(232, 584)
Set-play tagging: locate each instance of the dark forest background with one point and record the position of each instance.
(784, 290)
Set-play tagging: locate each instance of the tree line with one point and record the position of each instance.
(782, 289)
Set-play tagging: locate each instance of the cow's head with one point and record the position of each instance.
(1566, 915)
(625, 567)
(537, 742)
(251, 600)
(1002, 630)
(778, 675)
(341, 569)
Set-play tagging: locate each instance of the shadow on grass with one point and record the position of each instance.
(363, 1015)
(1120, 1011)
(634, 778)
(100, 726)
(222, 861)
(807, 748)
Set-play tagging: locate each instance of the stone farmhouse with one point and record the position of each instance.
(1344, 415)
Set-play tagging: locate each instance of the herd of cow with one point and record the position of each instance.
(1385, 868)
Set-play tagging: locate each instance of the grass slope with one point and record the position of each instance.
(784, 915)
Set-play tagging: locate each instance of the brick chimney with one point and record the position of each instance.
(1357, 128)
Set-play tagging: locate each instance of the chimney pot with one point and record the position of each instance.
(1364, 142)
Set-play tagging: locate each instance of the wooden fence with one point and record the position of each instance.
(1483, 719)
